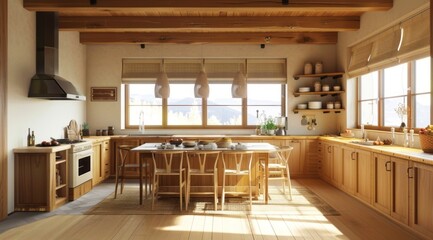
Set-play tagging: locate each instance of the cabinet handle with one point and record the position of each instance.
(386, 166)
(353, 155)
(329, 149)
(409, 170)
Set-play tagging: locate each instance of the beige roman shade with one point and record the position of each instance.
(400, 43)
(218, 70)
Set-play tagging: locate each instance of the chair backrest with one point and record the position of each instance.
(124, 151)
(283, 154)
(205, 160)
(167, 160)
(241, 160)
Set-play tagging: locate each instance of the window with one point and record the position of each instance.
(396, 95)
(182, 110)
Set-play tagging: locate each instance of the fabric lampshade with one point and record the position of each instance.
(239, 86)
(162, 87)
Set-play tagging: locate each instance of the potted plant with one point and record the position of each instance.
(270, 126)
(85, 129)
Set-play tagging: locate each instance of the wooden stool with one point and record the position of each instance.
(123, 164)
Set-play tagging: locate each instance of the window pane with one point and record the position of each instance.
(182, 94)
(221, 94)
(153, 115)
(143, 94)
(269, 111)
(422, 75)
(395, 80)
(369, 113)
(391, 117)
(369, 85)
(224, 115)
(422, 110)
(184, 115)
(264, 94)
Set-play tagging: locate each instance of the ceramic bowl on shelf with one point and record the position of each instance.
(304, 89)
(325, 88)
(315, 105)
(337, 88)
(302, 106)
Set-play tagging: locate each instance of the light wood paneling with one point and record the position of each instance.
(364, 177)
(422, 195)
(382, 183)
(3, 109)
(400, 190)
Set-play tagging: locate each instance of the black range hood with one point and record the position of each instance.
(45, 83)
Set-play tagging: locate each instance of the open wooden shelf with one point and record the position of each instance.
(310, 111)
(320, 75)
(333, 93)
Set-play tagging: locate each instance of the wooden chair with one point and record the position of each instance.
(278, 167)
(123, 164)
(241, 160)
(168, 163)
(202, 163)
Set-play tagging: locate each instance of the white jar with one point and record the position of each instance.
(330, 105)
(308, 68)
(318, 68)
(337, 105)
(317, 86)
(325, 88)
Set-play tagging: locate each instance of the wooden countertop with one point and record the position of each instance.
(211, 136)
(35, 149)
(413, 154)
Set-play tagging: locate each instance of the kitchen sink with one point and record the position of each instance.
(365, 143)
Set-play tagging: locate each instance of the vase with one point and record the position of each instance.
(271, 132)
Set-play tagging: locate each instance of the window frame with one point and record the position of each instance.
(204, 105)
(410, 98)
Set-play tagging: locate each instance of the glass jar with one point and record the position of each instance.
(330, 105)
(337, 105)
(317, 86)
(110, 130)
(318, 68)
(308, 68)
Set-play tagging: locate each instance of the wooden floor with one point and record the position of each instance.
(356, 221)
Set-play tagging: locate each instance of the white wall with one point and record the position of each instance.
(46, 118)
(104, 70)
(371, 23)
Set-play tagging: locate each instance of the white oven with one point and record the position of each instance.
(80, 164)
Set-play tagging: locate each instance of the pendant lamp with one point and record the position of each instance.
(162, 87)
(239, 86)
(201, 86)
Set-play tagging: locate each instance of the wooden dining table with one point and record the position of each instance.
(263, 149)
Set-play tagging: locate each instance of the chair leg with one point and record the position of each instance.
(289, 184)
(215, 187)
(123, 179)
(223, 192)
(284, 181)
(249, 189)
(188, 190)
(117, 182)
(154, 192)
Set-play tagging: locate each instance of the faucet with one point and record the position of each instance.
(141, 122)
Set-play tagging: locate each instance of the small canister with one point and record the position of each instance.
(98, 132)
(308, 68)
(330, 105)
(337, 105)
(325, 88)
(318, 68)
(104, 132)
(317, 86)
(110, 130)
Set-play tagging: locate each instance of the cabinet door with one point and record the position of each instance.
(400, 190)
(363, 174)
(296, 157)
(421, 204)
(382, 182)
(349, 170)
(337, 166)
(311, 163)
(96, 159)
(105, 159)
(327, 159)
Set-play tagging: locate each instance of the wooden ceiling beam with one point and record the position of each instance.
(208, 24)
(107, 5)
(201, 38)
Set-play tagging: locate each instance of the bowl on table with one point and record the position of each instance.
(176, 142)
(188, 144)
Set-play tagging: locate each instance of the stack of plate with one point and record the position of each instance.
(315, 105)
(304, 89)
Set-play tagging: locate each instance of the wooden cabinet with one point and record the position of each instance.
(391, 186)
(101, 161)
(337, 166)
(421, 207)
(296, 160)
(41, 178)
(327, 155)
(357, 177)
(311, 164)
